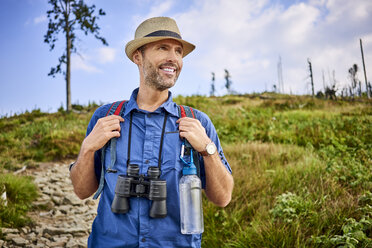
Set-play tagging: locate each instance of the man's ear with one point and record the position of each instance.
(137, 57)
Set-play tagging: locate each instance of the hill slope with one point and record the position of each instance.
(302, 166)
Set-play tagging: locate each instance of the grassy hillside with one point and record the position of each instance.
(302, 167)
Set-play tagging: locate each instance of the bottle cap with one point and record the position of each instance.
(189, 169)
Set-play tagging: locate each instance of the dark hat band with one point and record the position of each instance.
(164, 33)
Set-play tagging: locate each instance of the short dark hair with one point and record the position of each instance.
(141, 49)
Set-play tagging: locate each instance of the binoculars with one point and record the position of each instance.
(134, 184)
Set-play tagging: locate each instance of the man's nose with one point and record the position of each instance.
(172, 55)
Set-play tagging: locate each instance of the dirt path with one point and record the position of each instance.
(65, 221)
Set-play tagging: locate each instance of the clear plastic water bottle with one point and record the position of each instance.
(191, 207)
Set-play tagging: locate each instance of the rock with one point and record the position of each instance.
(90, 202)
(64, 209)
(20, 241)
(54, 231)
(44, 204)
(9, 230)
(50, 213)
(31, 236)
(62, 219)
(57, 200)
(72, 200)
(56, 244)
(26, 230)
(58, 192)
(72, 244)
(47, 190)
(77, 231)
(11, 236)
(60, 239)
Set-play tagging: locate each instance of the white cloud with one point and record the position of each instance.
(106, 55)
(247, 38)
(83, 63)
(160, 8)
(90, 62)
(40, 19)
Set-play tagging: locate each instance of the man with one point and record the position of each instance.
(157, 50)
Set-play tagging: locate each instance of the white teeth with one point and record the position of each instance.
(168, 69)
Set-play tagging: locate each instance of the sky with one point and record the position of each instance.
(246, 37)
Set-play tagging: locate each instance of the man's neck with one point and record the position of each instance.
(150, 99)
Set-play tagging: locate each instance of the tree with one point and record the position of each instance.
(354, 79)
(68, 16)
(213, 87)
(228, 81)
(311, 76)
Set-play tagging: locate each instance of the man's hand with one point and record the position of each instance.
(105, 129)
(219, 182)
(192, 130)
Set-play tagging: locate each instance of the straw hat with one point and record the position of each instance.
(154, 29)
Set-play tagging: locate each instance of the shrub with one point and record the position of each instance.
(20, 192)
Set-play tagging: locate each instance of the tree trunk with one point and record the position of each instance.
(311, 77)
(68, 61)
(364, 68)
(68, 74)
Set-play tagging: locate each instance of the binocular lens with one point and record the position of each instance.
(133, 170)
(120, 205)
(122, 190)
(153, 172)
(158, 195)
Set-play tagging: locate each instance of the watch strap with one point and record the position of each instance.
(204, 153)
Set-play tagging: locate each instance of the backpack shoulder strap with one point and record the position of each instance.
(116, 108)
(186, 111)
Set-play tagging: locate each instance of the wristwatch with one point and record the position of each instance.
(210, 149)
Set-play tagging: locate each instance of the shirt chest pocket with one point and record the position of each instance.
(171, 151)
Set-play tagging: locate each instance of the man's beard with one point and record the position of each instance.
(154, 80)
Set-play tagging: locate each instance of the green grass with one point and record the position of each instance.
(39, 137)
(302, 166)
(20, 192)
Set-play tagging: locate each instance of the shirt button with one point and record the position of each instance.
(143, 240)
(147, 161)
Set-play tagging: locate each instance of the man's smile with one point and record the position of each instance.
(168, 70)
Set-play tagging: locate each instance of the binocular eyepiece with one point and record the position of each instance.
(134, 184)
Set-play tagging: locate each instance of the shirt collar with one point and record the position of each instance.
(169, 105)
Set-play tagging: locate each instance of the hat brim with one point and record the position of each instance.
(133, 45)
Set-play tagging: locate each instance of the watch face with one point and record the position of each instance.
(211, 148)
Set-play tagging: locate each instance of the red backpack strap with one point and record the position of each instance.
(116, 108)
(185, 111)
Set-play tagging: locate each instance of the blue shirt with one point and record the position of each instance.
(136, 228)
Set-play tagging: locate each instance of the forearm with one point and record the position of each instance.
(219, 182)
(83, 175)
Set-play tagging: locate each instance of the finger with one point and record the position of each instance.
(111, 134)
(116, 134)
(111, 122)
(112, 127)
(113, 117)
(190, 122)
(182, 134)
(188, 126)
(182, 119)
